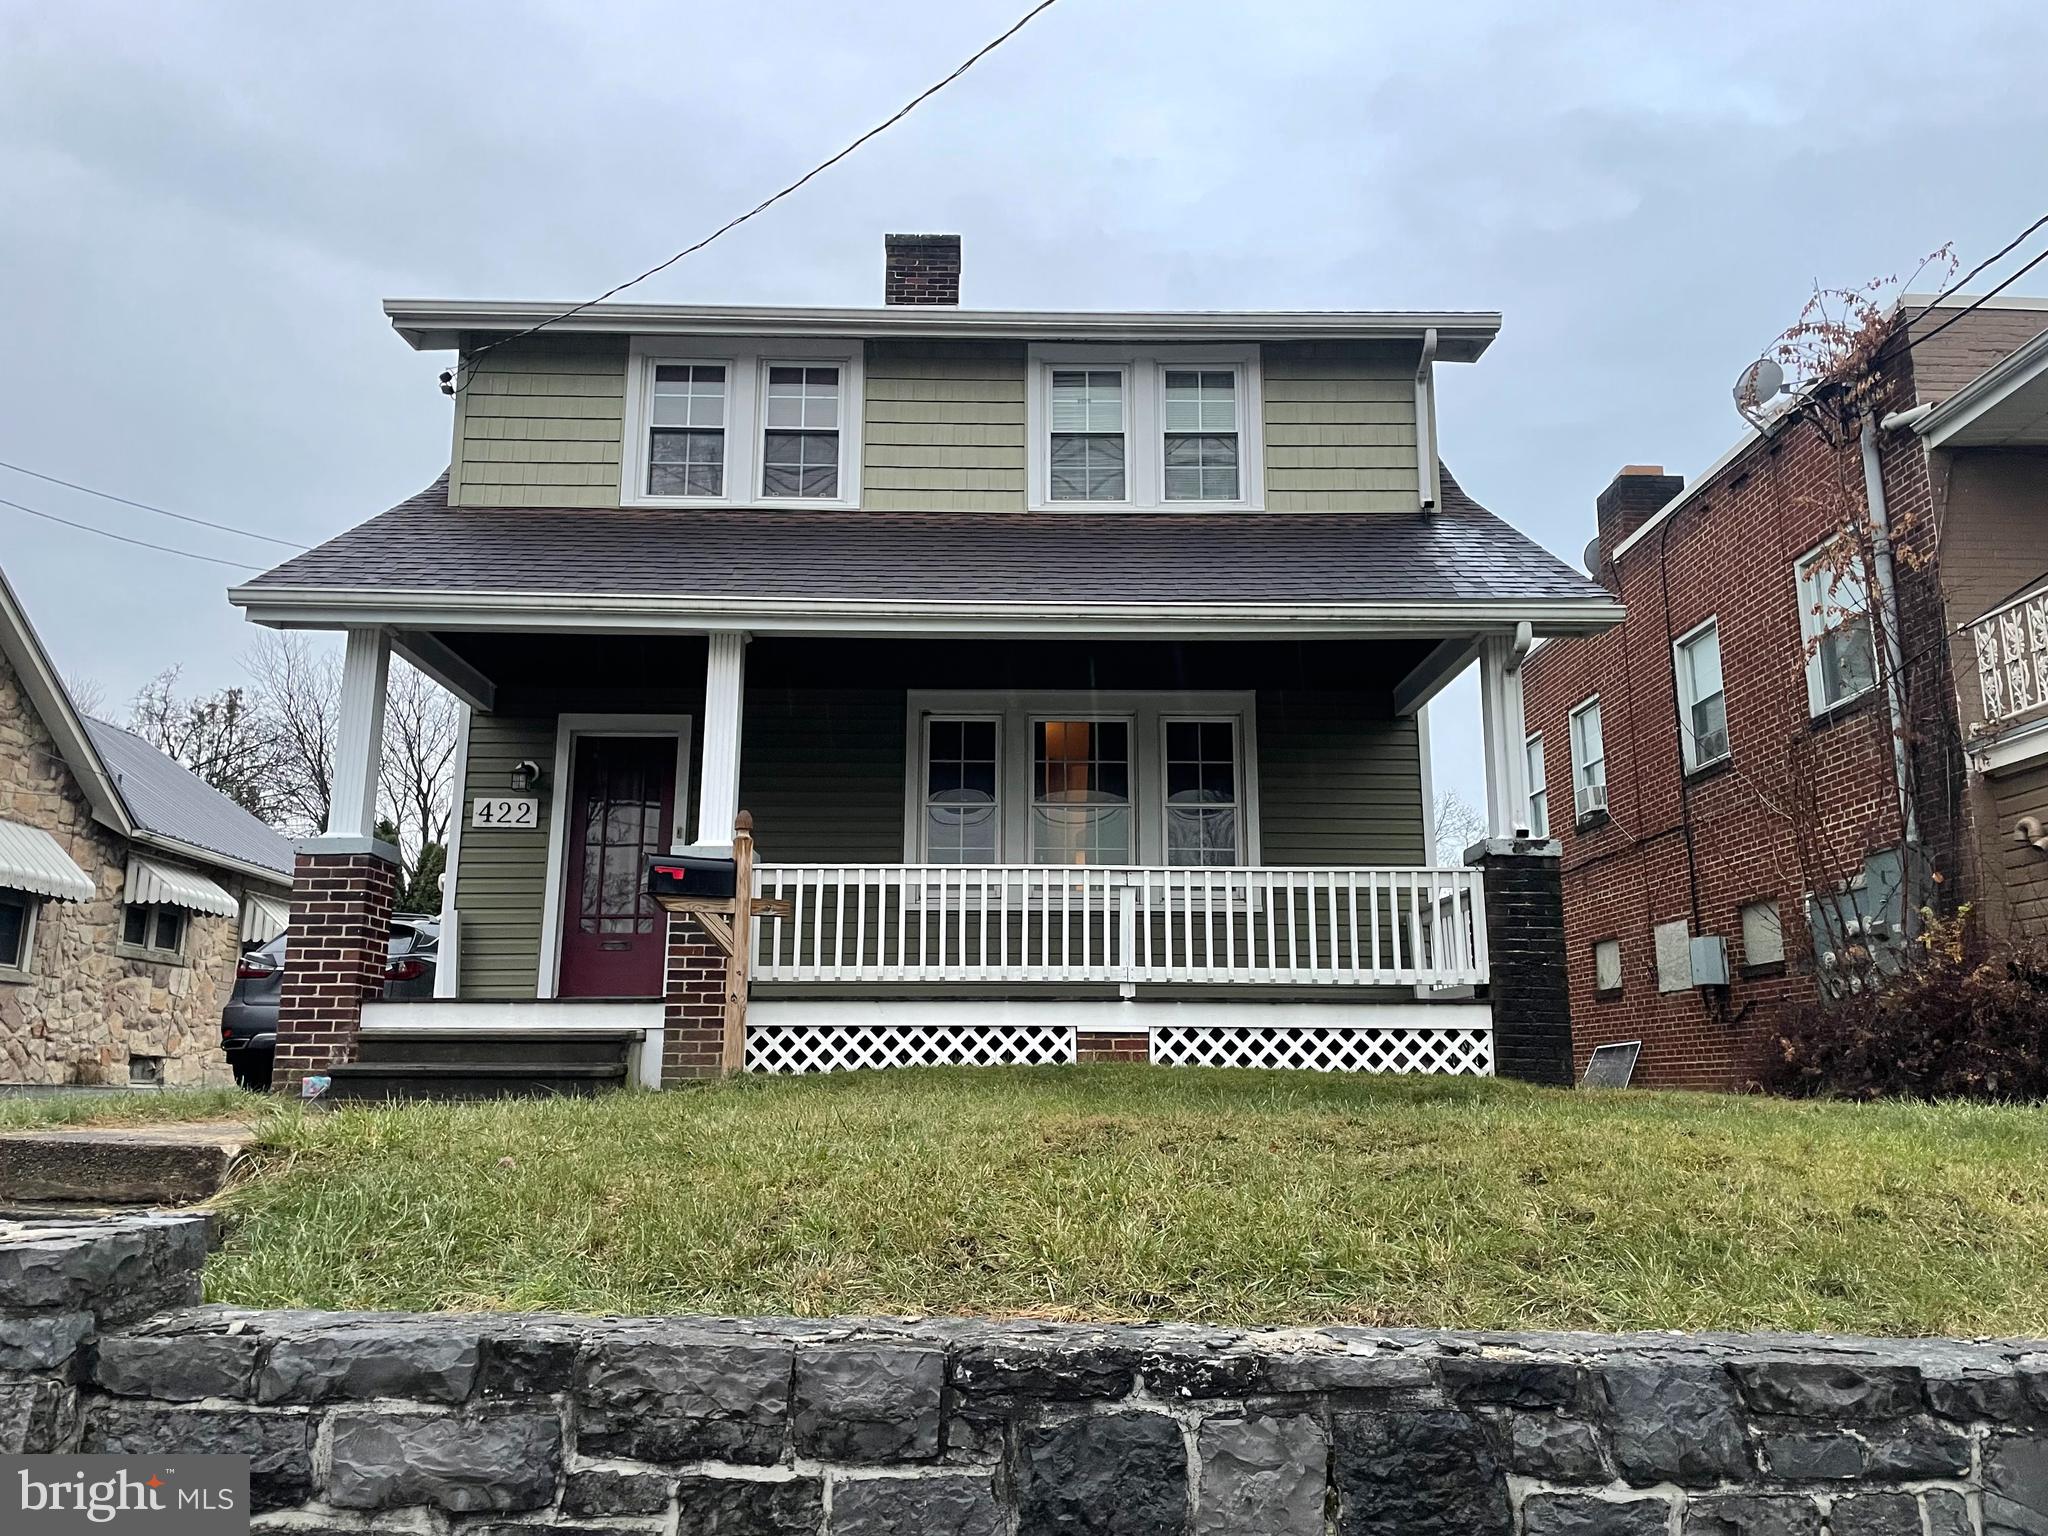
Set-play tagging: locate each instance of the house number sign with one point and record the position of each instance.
(505, 811)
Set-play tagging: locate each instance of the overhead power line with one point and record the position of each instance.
(1996, 256)
(108, 533)
(1977, 303)
(143, 506)
(769, 202)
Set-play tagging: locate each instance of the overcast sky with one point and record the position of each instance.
(201, 206)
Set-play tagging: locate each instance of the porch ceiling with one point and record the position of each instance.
(548, 672)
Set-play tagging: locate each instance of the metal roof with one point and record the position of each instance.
(170, 801)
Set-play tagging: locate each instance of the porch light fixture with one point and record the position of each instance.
(526, 777)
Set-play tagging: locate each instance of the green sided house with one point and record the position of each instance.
(1073, 668)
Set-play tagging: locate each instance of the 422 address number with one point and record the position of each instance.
(505, 811)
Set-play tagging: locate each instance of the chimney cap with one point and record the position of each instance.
(1641, 469)
(920, 239)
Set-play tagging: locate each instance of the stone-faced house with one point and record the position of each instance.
(1072, 667)
(127, 888)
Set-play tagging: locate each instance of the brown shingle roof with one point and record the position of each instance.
(1462, 553)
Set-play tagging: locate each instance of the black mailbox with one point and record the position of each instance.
(694, 876)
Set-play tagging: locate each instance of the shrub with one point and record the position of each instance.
(1960, 1021)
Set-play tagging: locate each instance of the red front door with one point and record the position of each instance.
(622, 800)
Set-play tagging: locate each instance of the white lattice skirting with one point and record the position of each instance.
(786, 1048)
(1323, 1048)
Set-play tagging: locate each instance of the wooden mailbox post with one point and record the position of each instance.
(729, 923)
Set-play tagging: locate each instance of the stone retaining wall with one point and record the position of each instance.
(886, 1427)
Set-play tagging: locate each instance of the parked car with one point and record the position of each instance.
(248, 1024)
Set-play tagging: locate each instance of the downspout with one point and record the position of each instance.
(1888, 596)
(1428, 479)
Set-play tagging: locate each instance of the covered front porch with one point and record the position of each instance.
(1200, 850)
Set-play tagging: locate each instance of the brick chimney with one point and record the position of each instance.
(1637, 494)
(921, 269)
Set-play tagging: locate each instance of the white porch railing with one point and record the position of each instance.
(925, 923)
(2012, 657)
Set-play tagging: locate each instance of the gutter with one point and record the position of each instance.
(209, 857)
(316, 607)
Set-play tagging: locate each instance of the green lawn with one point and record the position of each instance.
(1118, 1192)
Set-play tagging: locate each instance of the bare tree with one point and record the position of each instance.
(222, 737)
(1458, 825)
(88, 694)
(417, 784)
(300, 686)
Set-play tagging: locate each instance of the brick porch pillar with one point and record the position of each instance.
(692, 1004)
(1532, 1016)
(335, 956)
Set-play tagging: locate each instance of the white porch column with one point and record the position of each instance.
(359, 748)
(718, 787)
(1506, 732)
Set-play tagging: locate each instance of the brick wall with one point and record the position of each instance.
(693, 1004)
(336, 952)
(1532, 1031)
(1135, 1047)
(1696, 848)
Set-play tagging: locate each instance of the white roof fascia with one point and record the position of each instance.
(439, 324)
(53, 706)
(315, 608)
(1991, 388)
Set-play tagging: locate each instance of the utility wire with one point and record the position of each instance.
(1984, 299)
(106, 533)
(1996, 256)
(143, 506)
(766, 203)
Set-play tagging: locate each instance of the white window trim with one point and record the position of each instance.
(26, 970)
(1144, 370)
(1148, 715)
(1813, 628)
(746, 386)
(567, 729)
(1681, 680)
(1580, 812)
(1539, 784)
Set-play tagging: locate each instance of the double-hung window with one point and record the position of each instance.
(1083, 779)
(1539, 791)
(1834, 622)
(1088, 459)
(713, 422)
(1145, 429)
(800, 440)
(1589, 761)
(686, 432)
(1702, 702)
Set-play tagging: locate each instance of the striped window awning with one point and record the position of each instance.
(264, 918)
(160, 885)
(33, 861)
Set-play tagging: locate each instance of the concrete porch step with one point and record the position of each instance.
(469, 1078)
(171, 1164)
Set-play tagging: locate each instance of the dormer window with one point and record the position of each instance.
(686, 453)
(714, 422)
(1147, 429)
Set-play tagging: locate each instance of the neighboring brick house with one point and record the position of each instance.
(127, 886)
(1731, 747)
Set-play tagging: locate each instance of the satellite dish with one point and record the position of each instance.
(1591, 561)
(1761, 382)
